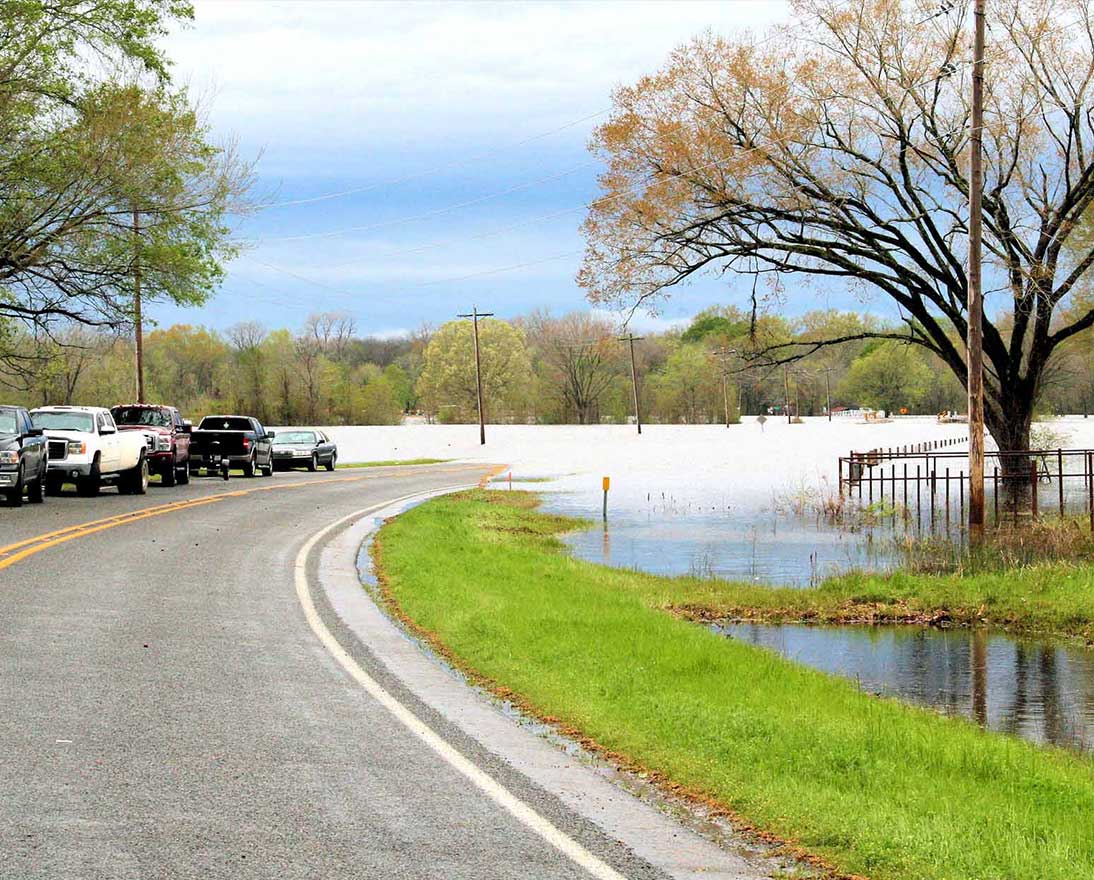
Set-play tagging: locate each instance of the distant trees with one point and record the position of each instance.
(891, 376)
(578, 357)
(447, 381)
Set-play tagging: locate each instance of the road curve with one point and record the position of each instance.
(168, 712)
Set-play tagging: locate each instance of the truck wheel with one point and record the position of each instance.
(170, 477)
(184, 475)
(268, 469)
(89, 486)
(135, 481)
(15, 493)
(313, 465)
(248, 467)
(333, 460)
(54, 482)
(36, 493)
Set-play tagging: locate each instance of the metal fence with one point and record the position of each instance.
(926, 484)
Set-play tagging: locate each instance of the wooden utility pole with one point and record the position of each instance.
(827, 391)
(786, 388)
(474, 316)
(974, 343)
(138, 319)
(723, 354)
(631, 339)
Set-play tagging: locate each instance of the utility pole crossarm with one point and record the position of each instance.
(474, 315)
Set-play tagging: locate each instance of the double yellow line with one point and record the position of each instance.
(17, 552)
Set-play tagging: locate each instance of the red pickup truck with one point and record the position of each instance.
(171, 456)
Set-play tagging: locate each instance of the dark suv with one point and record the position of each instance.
(23, 457)
(171, 456)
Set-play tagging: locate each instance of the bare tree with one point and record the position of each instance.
(581, 354)
(837, 154)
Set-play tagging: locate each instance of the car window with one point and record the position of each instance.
(140, 415)
(8, 424)
(225, 423)
(58, 420)
(295, 437)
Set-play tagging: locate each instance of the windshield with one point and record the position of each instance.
(224, 423)
(138, 415)
(7, 423)
(286, 437)
(52, 420)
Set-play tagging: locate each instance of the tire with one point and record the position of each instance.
(248, 467)
(184, 475)
(333, 461)
(170, 477)
(15, 493)
(268, 468)
(36, 493)
(54, 483)
(313, 465)
(88, 487)
(135, 481)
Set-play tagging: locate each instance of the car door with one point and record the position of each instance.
(182, 438)
(326, 447)
(263, 443)
(109, 445)
(34, 448)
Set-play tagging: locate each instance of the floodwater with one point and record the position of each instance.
(740, 543)
(1035, 690)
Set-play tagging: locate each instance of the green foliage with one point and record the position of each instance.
(877, 788)
(889, 377)
(447, 383)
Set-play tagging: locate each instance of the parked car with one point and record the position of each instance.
(23, 457)
(304, 447)
(86, 448)
(243, 441)
(170, 457)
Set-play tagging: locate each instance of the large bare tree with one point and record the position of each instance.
(581, 356)
(834, 153)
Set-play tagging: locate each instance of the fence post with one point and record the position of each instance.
(1033, 489)
(1060, 478)
(995, 492)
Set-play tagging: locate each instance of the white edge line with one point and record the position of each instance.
(489, 786)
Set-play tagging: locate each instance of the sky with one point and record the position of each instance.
(456, 133)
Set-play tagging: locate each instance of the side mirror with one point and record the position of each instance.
(105, 430)
(271, 434)
(35, 432)
(186, 428)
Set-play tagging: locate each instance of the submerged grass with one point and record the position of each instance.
(871, 786)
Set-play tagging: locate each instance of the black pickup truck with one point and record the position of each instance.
(243, 441)
(23, 457)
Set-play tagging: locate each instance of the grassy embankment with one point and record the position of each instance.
(871, 786)
(392, 462)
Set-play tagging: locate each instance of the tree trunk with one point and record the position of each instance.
(1010, 429)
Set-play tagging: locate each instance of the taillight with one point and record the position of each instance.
(246, 442)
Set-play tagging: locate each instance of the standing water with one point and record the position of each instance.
(1036, 690)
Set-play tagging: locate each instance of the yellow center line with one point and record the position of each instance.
(20, 550)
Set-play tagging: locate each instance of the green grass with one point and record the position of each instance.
(392, 462)
(874, 787)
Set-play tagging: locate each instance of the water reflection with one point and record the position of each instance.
(1035, 690)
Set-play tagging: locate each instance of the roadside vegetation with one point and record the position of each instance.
(871, 786)
(392, 462)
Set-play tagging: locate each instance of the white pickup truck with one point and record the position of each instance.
(86, 448)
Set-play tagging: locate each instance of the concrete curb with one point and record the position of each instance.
(652, 836)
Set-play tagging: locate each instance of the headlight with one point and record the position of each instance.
(76, 447)
(9, 456)
(163, 443)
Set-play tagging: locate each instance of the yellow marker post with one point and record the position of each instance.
(607, 484)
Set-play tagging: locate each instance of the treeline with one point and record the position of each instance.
(537, 369)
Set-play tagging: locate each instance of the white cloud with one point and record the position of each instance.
(335, 74)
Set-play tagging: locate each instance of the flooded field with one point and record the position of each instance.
(1036, 690)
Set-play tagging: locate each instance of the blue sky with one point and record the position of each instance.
(424, 106)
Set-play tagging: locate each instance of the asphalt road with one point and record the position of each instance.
(166, 711)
